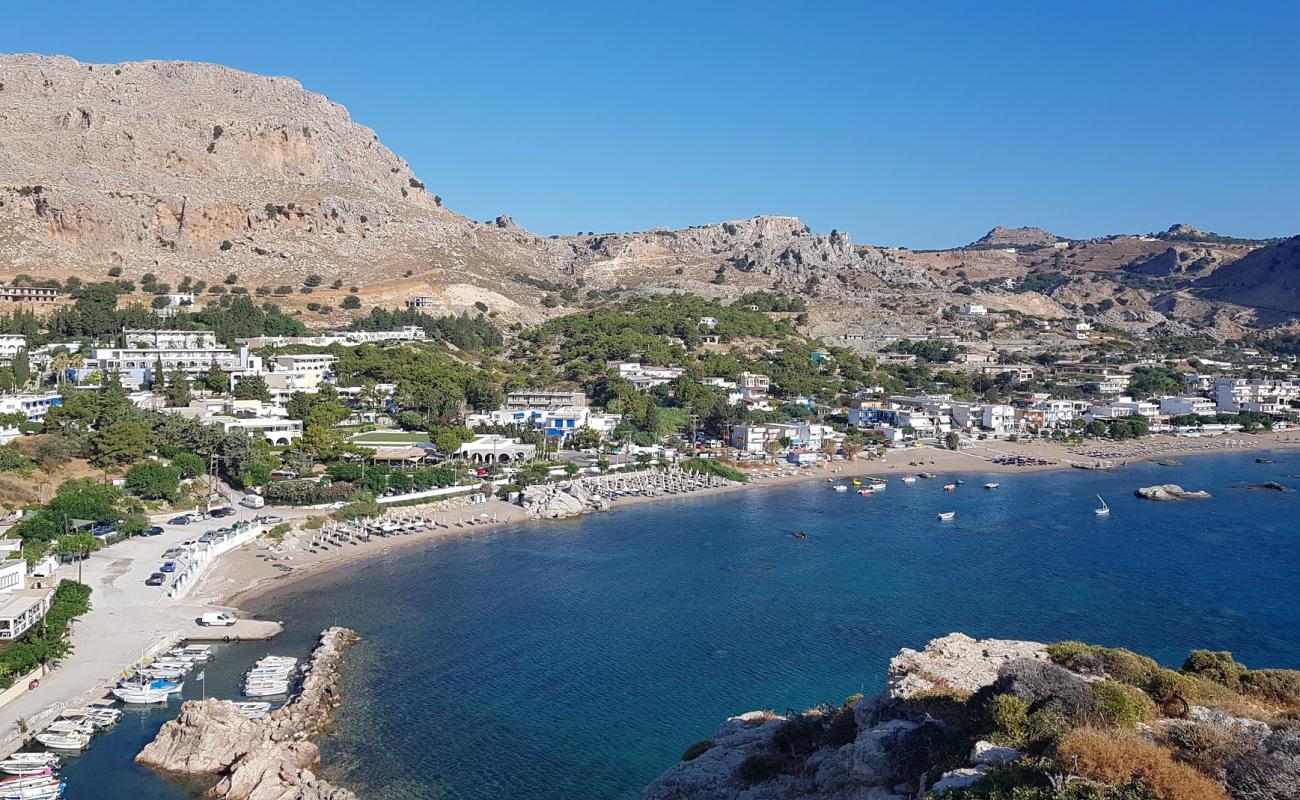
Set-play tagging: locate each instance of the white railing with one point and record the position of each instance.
(204, 555)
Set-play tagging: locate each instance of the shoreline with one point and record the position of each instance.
(251, 578)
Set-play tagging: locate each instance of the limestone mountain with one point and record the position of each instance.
(1016, 237)
(187, 169)
(1266, 278)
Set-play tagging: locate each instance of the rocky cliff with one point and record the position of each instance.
(1016, 237)
(1268, 278)
(996, 719)
(265, 759)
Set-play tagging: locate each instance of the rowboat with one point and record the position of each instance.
(254, 710)
(64, 741)
(946, 516)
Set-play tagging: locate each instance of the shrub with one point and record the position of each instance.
(1206, 747)
(1215, 666)
(1045, 728)
(1119, 759)
(1270, 771)
(226, 245)
(1009, 715)
(1121, 705)
(312, 280)
(1041, 682)
(758, 768)
(696, 750)
(1278, 685)
(350, 302)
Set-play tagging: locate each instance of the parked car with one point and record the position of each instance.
(207, 537)
(156, 530)
(222, 618)
(272, 519)
(181, 520)
(172, 552)
(218, 513)
(169, 566)
(156, 579)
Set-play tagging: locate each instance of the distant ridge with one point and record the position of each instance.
(1016, 237)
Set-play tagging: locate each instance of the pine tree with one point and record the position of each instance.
(22, 368)
(178, 393)
(216, 379)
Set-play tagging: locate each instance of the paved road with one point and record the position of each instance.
(127, 620)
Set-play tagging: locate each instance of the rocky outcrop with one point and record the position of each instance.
(955, 663)
(1169, 491)
(1016, 237)
(266, 759)
(558, 500)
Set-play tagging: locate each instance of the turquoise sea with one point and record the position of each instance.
(576, 660)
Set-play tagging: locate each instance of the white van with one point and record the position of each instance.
(218, 618)
(253, 501)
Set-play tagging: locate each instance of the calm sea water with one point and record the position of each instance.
(576, 660)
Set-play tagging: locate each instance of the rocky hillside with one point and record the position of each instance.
(1016, 237)
(1268, 277)
(999, 719)
(183, 169)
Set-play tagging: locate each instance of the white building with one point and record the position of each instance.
(319, 363)
(1258, 395)
(494, 448)
(645, 377)
(1180, 406)
(191, 352)
(709, 322)
(1122, 407)
(276, 431)
(543, 399)
(755, 438)
(10, 344)
(974, 310)
(33, 405)
(21, 609)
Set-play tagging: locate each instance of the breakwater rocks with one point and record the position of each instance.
(1169, 491)
(564, 499)
(264, 759)
(597, 492)
(1002, 717)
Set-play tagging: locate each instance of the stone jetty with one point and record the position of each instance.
(264, 759)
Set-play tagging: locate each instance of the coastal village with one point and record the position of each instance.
(185, 435)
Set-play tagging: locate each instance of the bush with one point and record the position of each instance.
(1041, 682)
(758, 768)
(350, 302)
(1206, 747)
(1009, 715)
(1045, 729)
(696, 750)
(1121, 705)
(715, 467)
(1215, 666)
(1120, 759)
(1270, 771)
(1278, 685)
(11, 460)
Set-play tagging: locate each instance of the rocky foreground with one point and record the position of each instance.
(265, 759)
(1017, 720)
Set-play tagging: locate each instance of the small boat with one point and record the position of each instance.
(255, 710)
(140, 695)
(866, 492)
(959, 481)
(950, 487)
(267, 690)
(800, 535)
(908, 479)
(841, 488)
(1170, 462)
(1104, 511)
(877, 486)
(947, 516)
(41, 787)
(1263, 461)
(48, 759)
(991, 485)
(24, 768)
(857, 482)
(926, 475)
(64, 741)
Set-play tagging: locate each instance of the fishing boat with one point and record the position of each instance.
(991, 485)
(255, 710)
(48, 759)
(140, 695)
(64, 741)
(267, 689)
(23, 768)
(841, 488)
(950, 487)
(800, 535)
(946, 516)
(45, 787)
(1104, 511)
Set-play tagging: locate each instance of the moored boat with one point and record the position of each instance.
(1104, 511)
(141, 695)
(64, 741)
(991, 485)
(945, 516)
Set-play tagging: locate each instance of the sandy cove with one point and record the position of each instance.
(245, 574)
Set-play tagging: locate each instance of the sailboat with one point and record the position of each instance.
(1104, 511)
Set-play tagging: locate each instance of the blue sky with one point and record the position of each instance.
(921, 124)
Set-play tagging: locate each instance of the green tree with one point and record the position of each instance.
(350, 302)
(78, 545)
(216, 379)
(22, 368)
(153, 481)
(952, 439)
(191, 465)
(177, 393)
(122, 443)
(252, 387)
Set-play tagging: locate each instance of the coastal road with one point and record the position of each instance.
(127, 619)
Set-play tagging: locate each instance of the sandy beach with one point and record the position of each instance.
(247, 573)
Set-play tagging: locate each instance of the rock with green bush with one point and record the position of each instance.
(966, 719)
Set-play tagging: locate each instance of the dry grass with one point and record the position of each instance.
(1116, 759)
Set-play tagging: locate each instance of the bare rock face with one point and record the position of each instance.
(1169, 491)
(1016, 237)
(564, 499)
(955, 663)
(265, 759)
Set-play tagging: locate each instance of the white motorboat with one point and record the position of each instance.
(841, 488)
(141, 695)
(992, 485)
(50, 759)
(946, 516)
(877, 486)
(23, 768)
(64, 741)
(255, 710)
(908, 479)
(45, 787)
(1104, 511)
(72, 726)
(267, 689)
